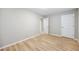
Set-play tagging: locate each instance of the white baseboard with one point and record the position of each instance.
(56, 35)
(21, 40)
(64, 36)
(30, 38)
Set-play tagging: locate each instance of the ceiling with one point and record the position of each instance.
(48, 11)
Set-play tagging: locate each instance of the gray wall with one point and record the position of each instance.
(78, 23)
(17, 24)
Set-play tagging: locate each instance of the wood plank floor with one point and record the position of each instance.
(45, 42)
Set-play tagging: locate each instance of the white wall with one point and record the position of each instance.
(78, 23)
(17, 24)
(54, 24)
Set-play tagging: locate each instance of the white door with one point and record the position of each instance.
(45, 25)
(67, 25)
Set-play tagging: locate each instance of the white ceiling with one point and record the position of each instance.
(48, 11)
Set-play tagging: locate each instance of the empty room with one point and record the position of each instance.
(39, 29)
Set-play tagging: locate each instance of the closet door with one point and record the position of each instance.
(67, 25)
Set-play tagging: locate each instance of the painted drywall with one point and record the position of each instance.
(55, 22)
(0, 30)
(78, 23)
(17, 24)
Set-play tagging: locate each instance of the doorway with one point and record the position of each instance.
(45, 25)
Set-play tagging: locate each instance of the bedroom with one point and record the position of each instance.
(39, 29)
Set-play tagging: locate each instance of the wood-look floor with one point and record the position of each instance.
(45, 42)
